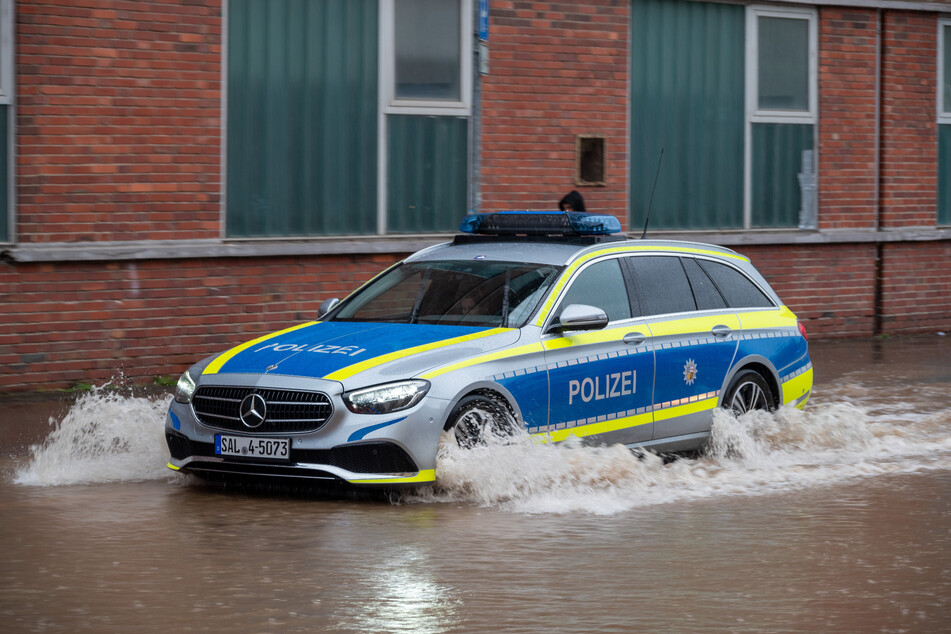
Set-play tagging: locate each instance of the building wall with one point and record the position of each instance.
(557, 70)
(118, 139)
(118, 120)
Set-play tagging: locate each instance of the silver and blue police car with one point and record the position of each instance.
(551, 323)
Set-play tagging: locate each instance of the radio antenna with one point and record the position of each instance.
(651, 203)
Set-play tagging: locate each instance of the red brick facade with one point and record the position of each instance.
(118, 120)
(909, 120)
(558, 70)
(118, 138)
(847, 66)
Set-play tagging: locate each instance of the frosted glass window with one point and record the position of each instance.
(783, 77)
(428, 50)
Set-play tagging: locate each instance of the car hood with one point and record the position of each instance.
(359, 352)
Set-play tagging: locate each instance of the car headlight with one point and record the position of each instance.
(384, 399)
(185, 388)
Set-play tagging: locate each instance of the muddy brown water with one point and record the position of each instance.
(833, 519)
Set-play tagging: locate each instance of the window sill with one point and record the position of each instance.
(359, 245)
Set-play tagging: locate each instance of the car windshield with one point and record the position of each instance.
(451, 293)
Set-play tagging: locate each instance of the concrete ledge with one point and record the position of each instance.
(355, 245)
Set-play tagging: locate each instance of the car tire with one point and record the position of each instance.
(748, 391)
(480, 418)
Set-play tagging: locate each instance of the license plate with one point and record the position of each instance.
(266, 448)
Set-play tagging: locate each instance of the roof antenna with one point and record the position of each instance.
(648, 219)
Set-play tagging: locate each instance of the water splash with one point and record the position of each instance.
(105, 437)
(110, 437)
(759, 453)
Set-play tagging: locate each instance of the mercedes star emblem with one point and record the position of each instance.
(253, 410)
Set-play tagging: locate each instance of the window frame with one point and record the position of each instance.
(389, 103)
(8, 98)
(754, 115)
(753, 112)
(943, 109)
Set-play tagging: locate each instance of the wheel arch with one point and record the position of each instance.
(484, 388)
(761, 366)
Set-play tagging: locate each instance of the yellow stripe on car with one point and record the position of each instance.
(798, 387)
(770, 318)
(426, 475)
(357, 368)
(595, 428)
(218, 363)
(485, 358)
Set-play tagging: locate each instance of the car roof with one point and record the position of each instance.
(559, 252)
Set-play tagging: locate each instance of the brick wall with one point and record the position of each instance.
(916, 289)
(909, 128)
(118, 138)
(831, 288)
(74, 322)
(557, 70)
(118, 120)
(847, 60)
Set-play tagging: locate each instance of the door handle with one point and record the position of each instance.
(634, 338)
(721, 331)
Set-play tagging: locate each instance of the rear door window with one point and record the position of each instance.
(704, 290)
(661, 285)
(738, 290)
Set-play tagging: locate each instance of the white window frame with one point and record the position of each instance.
(8, 98)
(393, 105)
(754, 114)
(944, 110)
(389, 104)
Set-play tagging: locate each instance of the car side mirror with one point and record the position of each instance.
(582, 317)
(326, 306)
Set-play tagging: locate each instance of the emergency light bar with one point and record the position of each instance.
(541, 223)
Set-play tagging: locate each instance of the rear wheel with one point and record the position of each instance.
(480, 418)
(748, 391)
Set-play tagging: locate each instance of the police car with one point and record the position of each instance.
(547, 322)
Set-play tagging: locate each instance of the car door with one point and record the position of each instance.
(694, 337)
(600, 380)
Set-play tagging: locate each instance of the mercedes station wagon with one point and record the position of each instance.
(550, 324)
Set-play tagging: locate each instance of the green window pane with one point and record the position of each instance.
(4, 175)
(427, 173)
(778, 162)
(687, 100)
(428, 50)
(301, 117)
(783, 64)
(944, 174)
(947, 69)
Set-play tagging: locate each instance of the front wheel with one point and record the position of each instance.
(478, 419)
(747, 392)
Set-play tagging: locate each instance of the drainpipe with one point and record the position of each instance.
(877, 299)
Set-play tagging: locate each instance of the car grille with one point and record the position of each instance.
(288, 411)
(370, 457)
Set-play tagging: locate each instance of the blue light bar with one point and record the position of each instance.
(534, 223)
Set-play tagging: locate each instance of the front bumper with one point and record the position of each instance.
(376, 450)
(373, 462)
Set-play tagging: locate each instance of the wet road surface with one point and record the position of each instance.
(838, 518)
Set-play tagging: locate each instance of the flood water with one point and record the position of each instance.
(833, 519)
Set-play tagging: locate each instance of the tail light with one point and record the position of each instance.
(802, 331)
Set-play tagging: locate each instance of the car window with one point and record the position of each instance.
(453, 293)
(661, 285)
(601, 285)
(738, 290)
(704, 291)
